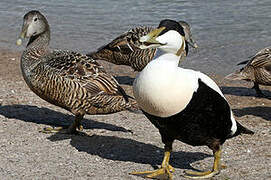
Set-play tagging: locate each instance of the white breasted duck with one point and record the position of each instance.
(182, 103)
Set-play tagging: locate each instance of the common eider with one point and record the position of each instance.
(66, 79)
(184, 104)
(257, 70)
(124, 50)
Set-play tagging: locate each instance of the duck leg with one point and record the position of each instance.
(207, 174)
(165, 170)
(70, 130)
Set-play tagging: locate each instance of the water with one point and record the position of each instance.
(226, 31)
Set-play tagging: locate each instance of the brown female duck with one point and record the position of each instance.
(257, 70)
(67, 79)
(124, 50)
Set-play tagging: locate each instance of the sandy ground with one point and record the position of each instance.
(108, 149)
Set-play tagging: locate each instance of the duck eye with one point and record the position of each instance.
(35, 19)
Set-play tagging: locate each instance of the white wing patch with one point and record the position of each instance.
(234, 125)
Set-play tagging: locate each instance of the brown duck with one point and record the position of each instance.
(67, 79)
(257, 70)
(124, 50)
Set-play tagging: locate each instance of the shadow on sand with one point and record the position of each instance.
(242, 91)
(108, 147)
(124, 149)
(260, 111)
(50, 117)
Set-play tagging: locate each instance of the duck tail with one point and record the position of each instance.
(243, 62)
(94, 55)
(242, 130)
(90, 54)
(133, 106)
(102, 53)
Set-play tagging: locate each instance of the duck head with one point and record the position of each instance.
(169, 37)
(188, 34)
(34, 24)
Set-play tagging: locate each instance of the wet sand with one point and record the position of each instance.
(107, 149)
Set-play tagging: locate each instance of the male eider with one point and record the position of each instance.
(66, 79)
(182, 103)
(125, 50)
(257, 70)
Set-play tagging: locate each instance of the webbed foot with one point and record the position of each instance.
(72, 129)
(165, 171)
(207, 174)
(200, 175)
(62, 130)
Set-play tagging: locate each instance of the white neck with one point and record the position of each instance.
(168, 59)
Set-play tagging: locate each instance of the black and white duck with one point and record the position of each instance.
(257, 70)
(66, 79)
(184, 104)
(125, 49)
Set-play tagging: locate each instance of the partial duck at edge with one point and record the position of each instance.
(257, 70)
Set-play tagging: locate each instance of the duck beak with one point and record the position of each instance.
(22, 35)
(149, 40)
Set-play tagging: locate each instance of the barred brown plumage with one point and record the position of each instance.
(67, 79)
(124, 50)
(257, 70)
